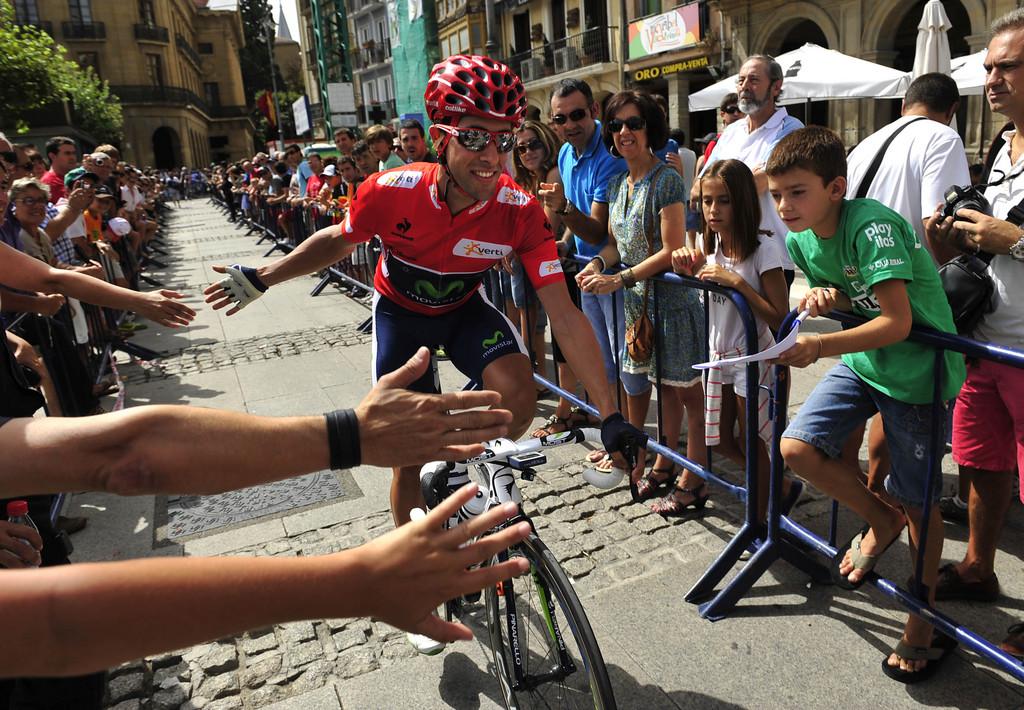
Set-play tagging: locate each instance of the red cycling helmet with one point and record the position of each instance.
(464, 85)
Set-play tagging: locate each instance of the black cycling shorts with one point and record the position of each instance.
(474, 335)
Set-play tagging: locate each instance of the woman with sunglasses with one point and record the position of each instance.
(645, 223)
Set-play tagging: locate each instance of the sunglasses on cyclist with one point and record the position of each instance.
(577, 114)
(633, 123)
(534, 144)
(731, 110)
(477, 139)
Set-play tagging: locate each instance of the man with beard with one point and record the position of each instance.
(752, 139)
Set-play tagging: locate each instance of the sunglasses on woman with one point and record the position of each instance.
(477, 139)
(534, 144)
(633, 123)
(577, 114)
(731, 110)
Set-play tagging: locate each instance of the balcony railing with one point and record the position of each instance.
(187, 49)
(83, 30)
(44, 25)
(368, 57)
(228, 112)
(377, 111)
(159, 95)
(151, 33)
(564, 55)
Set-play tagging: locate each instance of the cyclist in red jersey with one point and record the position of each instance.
(442, 227)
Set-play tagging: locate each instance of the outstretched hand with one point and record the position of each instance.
(164, 307)
(397, 426)
(236, 289)
(414, 569)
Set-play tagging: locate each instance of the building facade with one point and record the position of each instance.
(371, 30)
(172, 63)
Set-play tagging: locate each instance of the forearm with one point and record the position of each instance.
(155, 449)
(876, 333)
(64, 219)
(760, 305)
(653, 265)
(590, 230)
(324, 248)
(21, 302)
(70, 620)
(579, 346)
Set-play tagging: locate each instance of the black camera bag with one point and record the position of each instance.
(969, 289)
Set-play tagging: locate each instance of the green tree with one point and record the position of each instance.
(35, 72)
(254, 56)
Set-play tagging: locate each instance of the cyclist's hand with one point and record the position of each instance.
(410, 571)
(399, 427)
(239, 288)
(623, 440)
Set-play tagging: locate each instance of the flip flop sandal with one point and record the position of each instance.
(861, 561)
(939, 651)
(1013, 644)
(552, 425)
(605, 465)
(651, 486)
(597, 456)
(671, 507)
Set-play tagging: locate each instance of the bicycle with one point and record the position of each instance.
(536, 664)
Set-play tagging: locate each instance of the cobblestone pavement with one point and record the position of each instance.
(601, 538)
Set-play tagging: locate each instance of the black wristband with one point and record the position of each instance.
(343, 438)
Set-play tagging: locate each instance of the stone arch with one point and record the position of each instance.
(166, 148)
(882, 25)
(770, 36)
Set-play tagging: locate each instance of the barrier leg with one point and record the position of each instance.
(137, 351)
(366, 326)
(320, 286)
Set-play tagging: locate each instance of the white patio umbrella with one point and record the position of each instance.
(932, 53)
(813, 73)
(969, 73)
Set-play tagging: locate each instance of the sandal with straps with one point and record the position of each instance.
(671, 507)
(552, 425)
(652, 483)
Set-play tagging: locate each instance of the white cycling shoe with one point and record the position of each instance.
(425, 645)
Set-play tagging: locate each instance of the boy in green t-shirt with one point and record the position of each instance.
(860, 256)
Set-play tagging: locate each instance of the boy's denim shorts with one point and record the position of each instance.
(842, 402)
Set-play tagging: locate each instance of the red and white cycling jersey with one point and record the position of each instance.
(432, 262)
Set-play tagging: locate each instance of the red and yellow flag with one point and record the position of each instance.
(265, 103)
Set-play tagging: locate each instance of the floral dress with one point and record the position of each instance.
(679, 327)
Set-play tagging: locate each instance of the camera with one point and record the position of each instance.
(968, 197)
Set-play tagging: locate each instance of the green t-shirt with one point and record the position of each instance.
(875, 244)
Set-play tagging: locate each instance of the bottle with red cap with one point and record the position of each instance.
(17, 513)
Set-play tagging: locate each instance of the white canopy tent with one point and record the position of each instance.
(813, 73)
(969, 73)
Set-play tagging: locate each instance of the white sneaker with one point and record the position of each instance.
(425, 645)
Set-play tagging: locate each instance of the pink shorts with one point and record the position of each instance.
(988, 422)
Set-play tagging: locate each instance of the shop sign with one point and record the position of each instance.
(652, 73)
(677, 29)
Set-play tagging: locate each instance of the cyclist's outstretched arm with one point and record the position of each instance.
(243, 284)
(64, 620)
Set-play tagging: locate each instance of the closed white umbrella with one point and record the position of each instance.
(932, 53)
(969, 73)
(813, 73)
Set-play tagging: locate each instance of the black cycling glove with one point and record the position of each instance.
(618, 435)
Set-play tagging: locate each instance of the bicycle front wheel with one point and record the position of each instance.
(544, 651)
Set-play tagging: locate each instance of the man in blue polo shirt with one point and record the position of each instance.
(586, 168)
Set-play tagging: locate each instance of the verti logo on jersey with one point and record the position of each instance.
(509, 196)
(550, 267)
(405, 179)
(480, 250)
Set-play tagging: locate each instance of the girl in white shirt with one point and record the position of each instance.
(737, 254)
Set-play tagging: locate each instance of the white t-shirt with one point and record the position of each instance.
(753, 148)
(128, 198)
(726, 329)
(920, 164)
(689, 160)
(1005, 325)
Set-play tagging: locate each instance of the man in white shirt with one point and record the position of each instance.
(988, 422)
(923, 160)
(753, 138)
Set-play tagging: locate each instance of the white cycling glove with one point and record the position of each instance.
(243, 284)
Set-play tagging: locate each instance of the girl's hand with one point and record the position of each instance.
(715, 273)
(818, 301)
(600, 283)
(687, 261)
(806, 352)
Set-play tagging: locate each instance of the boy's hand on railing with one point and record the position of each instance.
(819, 301)
(687, 261)
(806, 352)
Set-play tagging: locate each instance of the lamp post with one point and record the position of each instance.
(269, 31)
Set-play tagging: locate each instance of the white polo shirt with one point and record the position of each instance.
(753, 148)
(1005, 325)
(920, 164)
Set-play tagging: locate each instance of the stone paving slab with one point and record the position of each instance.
(786, 645)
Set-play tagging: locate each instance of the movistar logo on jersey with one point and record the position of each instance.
(547, 268)
(510, 196)
(480, 250)
(428, 289)
(406, 179)
(493, 340)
